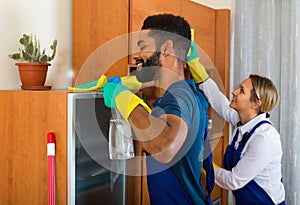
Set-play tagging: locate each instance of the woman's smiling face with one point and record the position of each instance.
(241, 96)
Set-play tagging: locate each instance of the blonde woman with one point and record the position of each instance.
(252, 162)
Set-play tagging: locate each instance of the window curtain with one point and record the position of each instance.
(265, 41)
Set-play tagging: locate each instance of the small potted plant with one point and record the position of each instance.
(32, 62)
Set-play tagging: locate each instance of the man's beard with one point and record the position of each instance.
(149, 69)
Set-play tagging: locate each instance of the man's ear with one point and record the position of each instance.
(167, 48)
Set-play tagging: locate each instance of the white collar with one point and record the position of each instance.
(249, 125)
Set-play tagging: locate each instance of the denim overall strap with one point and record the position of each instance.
(251, 193)
(207, 162)
(247, 135)
(209, 169)
(230, 158)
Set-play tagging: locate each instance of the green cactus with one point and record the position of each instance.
(30, 50)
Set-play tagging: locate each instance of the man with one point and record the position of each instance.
(173, 134)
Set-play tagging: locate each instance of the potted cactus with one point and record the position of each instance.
(32, 62)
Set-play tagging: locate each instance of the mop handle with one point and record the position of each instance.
(51, 167)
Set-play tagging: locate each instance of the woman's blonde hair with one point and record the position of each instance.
(265, 91)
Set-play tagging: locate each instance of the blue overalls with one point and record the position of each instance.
(178, 183)
(251, 193)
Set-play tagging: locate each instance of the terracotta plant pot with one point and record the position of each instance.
(32, 74)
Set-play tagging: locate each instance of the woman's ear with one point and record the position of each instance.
(256, 104)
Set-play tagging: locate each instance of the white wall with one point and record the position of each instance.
(216, 4)
(48, 19)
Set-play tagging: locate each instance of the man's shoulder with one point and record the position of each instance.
(183, 86)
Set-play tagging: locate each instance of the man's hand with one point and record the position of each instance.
(120, 97)
(130, 81)
(110, 92)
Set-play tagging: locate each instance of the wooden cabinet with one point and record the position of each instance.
(96, 23)
(26, 117)
(139, 10)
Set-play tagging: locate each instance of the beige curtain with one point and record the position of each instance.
(265, 40)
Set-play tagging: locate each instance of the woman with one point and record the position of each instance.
(252, 162)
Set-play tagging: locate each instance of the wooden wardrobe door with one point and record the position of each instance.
(94, 24)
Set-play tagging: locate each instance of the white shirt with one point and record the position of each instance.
(261, 156)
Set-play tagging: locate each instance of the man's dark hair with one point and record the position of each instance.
(164, 26)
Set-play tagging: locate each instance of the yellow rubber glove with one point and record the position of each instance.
(120, 97)
(94, 85)
(131, 82)
(197, 69)
(215, 166)
(126, 102)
